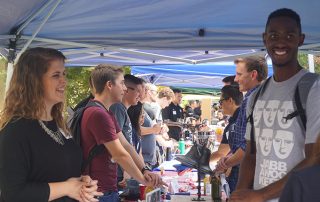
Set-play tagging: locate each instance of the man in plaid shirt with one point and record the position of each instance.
(250, 72)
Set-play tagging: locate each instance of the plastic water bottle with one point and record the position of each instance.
(207, 185)
(225, 185)
(182, 146)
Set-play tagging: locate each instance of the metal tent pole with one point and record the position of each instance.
(311, 62)
(11, 56)
(38, 29)
(26, 23)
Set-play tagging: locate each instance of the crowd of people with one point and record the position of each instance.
(267, 152)
(39, 158)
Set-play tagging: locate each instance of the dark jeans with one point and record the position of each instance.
(110, 197)
(233, 178)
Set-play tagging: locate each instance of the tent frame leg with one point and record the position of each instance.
(311, 63)
(11, 57)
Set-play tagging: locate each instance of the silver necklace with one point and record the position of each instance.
(56, 136)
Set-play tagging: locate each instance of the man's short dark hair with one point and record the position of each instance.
(230, 79)
(257, 63)
(232, 92)
(285, 12)
(142, 80)
(176, 90)
(130, 79)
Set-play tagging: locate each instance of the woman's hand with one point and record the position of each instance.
(89, 190)
(73, 188)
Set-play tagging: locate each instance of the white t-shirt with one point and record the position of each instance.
(280, 144)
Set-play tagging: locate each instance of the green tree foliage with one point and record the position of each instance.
(127, 69)
(303, 60)
(78, 84)
(3, 77)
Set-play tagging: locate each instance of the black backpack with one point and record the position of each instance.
(300, 101)
(75, 127)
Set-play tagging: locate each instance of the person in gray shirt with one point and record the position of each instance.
(279, 146)
(131, 97)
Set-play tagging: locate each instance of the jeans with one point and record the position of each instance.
(109, 197)
(232, 179)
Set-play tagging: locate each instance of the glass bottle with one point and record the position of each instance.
(215, 189)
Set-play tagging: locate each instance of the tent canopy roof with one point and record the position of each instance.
(188, 76)
(148, 32)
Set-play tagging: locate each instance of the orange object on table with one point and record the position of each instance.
(219, 133)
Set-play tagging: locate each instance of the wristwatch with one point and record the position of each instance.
(145, 168)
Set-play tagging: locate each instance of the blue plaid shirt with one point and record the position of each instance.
(237, 140)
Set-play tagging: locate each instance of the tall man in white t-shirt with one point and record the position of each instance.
(281, 146)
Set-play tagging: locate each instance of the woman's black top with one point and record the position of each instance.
(30, 159)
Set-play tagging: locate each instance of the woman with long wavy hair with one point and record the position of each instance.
(39, 160)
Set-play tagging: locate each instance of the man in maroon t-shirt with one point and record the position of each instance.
(99, 126)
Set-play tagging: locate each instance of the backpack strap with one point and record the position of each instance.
(300, 97)
(97, 149)
(300, 101)
(75, 122)
(260, 91)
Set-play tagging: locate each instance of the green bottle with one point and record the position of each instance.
(215, 189)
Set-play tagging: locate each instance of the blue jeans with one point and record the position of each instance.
(110, 197)
(233, 178)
